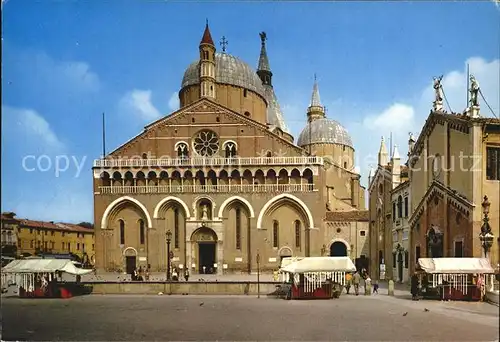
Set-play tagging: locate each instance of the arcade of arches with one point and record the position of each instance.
(208, 236)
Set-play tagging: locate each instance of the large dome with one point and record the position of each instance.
(324, 131)
(228, 70)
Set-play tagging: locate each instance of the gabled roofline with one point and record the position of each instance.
(437, 186)
(196, 103)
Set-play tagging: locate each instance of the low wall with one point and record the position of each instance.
(179, 288)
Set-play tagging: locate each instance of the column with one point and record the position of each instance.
(220, 257)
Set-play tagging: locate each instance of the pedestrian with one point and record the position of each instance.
(348, 282)
(375, 286)
(186, 274)
(356, 279)
(414, 287)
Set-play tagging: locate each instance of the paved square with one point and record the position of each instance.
(162, 318)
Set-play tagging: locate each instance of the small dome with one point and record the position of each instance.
(324, 131)
(228, 70)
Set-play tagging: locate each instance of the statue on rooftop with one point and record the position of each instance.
(474, 90)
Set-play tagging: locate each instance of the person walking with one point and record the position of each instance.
(414, 287)
(348, 282)
(375, 286)
(356, 279)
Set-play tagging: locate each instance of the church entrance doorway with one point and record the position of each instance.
(206, 251)
(400, 267)
(338, 249)
(205, 241)
(130, 262)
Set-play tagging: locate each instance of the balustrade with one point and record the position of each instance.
(221, 188)
(201, 161)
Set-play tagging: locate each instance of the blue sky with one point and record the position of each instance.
(64, 63)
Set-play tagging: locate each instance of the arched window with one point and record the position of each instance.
(205, 54)
(230, 149)
(406, 206)
(400, 207)
(276, 228)
(297, 233)
(122, 232)
(238, 228)
(176, 228)
(182, 150)
(141, 232)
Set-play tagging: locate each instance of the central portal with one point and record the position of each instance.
(206, 252)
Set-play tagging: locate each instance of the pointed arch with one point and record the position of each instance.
(293, 198)
(236, 198)
(115, 203)
(166, 200)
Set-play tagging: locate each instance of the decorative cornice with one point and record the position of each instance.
(456, 122)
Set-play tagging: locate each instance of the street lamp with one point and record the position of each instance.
(168, 235)
(486, 237)
(258, 274)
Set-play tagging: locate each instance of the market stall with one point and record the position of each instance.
(453, 278)
(39, 277)
(317, 277)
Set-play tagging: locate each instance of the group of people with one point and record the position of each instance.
(140, 274)
(354, 280)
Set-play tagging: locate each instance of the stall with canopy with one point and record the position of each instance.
(316, 277)
(453, 278)
(38, 277)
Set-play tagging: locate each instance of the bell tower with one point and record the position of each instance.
(207, 65)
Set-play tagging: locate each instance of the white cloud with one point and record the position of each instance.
(173, 102)
(139, 102)
(33, 125)
(74, 73)
(398, 117)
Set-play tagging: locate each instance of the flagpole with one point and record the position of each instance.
(103, 136)
(467, 90)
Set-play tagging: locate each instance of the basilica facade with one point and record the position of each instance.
(225, 178)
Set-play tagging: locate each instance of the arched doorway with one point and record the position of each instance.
(130, 256)
(338, 249)
(284, 252)
(206, 249)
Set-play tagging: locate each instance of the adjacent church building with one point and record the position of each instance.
(235, 185)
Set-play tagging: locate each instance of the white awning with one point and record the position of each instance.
(288, 260)
(321, 264)
(455, 265)
(43, 266)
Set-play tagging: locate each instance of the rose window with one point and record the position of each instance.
(206, 143)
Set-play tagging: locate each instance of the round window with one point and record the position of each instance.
(206, 143)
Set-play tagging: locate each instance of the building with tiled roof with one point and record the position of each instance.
(35, 237)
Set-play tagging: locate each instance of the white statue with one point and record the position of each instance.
(474, 90)
(438, 94)
(438, 88)
(204, 215)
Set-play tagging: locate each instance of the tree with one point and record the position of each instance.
(86, 225)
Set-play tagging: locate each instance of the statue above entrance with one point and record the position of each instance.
(204, 215)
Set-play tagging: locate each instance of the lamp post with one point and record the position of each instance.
(486, 236)
(168, 236)
(258, 274)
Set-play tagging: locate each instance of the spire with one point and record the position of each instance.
(263, 60)
(315, 109)
(382, 153)
(207, 37)
(395, 153)
(315, 100)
